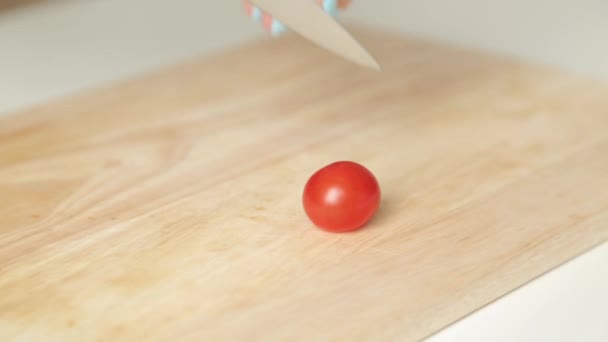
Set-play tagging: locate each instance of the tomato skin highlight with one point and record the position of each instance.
(341, 197)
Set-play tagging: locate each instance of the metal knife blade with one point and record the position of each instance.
(310, 21)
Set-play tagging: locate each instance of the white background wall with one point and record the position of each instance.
(567, 33)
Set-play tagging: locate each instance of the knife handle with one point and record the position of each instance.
(275, 27)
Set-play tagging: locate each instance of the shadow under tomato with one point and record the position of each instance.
(386, 212)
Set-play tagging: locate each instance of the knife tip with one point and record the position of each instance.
(375, 66)
(368, 61)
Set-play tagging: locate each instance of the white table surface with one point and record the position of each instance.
(64, 46)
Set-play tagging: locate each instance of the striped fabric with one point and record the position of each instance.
(275, 27)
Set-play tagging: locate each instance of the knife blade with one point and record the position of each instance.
(311, 22)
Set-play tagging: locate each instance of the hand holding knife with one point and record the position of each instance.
(313, 23)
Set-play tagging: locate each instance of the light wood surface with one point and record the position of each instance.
(10, 4)
(168, 207)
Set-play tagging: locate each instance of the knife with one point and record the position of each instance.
(312, 23)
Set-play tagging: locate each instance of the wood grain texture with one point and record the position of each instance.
(168, 207)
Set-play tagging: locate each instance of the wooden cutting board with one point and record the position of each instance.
(169, 207)
(10, 4)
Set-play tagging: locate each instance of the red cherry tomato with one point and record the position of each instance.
(341, 197)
